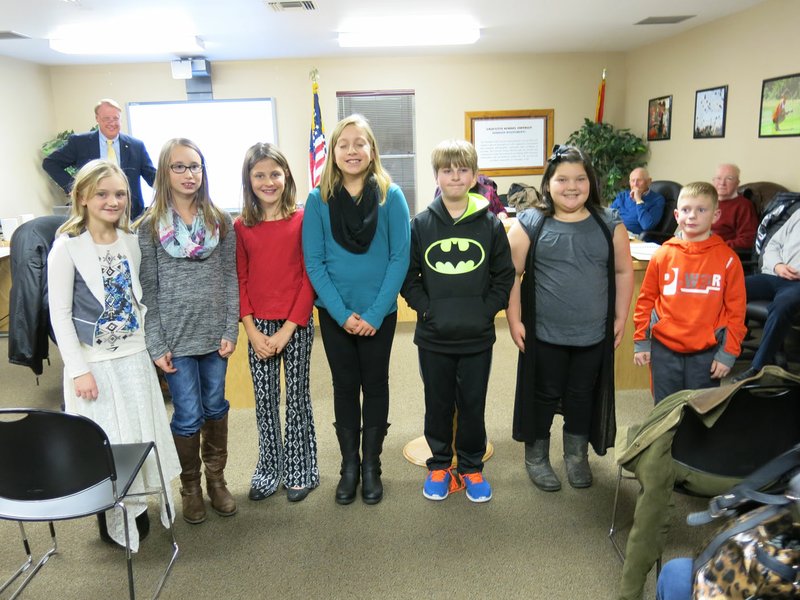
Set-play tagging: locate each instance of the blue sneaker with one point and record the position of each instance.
(437, 484)
(478, 489)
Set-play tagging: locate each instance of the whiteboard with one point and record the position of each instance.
(222, 129)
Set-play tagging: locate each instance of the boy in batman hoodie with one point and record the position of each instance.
(459, 277)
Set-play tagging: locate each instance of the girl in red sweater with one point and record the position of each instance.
(276, 300)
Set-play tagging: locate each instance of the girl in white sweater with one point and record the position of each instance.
(97, 317)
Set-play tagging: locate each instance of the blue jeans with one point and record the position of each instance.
(198, 391)
(675, 580)
(784, 296)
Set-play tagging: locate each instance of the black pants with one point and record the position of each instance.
(359, 364)
(455, 381)
(565, 376)
(672, 371)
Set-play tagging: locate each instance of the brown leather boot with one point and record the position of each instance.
(194, 509)
(214, 450)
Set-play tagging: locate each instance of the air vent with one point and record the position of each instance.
(12, 35)
(665, 20)
(289, 5)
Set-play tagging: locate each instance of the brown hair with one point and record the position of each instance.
(455, 153)
(252, 211)
(162, 193)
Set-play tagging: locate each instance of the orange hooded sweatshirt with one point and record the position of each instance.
(692, 292)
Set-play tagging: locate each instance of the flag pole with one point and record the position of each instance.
(601, 100)
(317, 148)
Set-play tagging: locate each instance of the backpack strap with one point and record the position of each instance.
(748, 489)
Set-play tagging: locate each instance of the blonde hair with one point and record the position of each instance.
(332, 175)
(700, 188)
(162, 192)
(454, 153)
(252, 211)
(109, 102)
(85, 186)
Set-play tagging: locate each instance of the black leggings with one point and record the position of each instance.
(565, 376)
(359, 364)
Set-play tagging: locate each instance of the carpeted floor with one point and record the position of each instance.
(523, 544)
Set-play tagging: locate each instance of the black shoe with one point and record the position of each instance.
(751, 372)
(143, 525)
(255, 495)
(297, 494)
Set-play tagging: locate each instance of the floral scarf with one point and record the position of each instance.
(187, 241)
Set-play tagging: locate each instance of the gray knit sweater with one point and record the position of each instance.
(192, 305)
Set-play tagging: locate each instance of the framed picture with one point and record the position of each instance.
(511, 142)
(710, 107)
(780, 107)
(659, 118)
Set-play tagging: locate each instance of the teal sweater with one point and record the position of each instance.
(345, 282)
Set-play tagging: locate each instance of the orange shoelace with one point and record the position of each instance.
(474, 477)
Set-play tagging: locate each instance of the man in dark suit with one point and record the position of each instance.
(109, 144)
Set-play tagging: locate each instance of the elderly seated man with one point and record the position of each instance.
(738, 221)
(640, 208)
(778, 282)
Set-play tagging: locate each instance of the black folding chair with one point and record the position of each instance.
(56, 466)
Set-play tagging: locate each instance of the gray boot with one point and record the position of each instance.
(576, 458)
(537, 462)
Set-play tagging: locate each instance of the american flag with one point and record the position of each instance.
(317, 149)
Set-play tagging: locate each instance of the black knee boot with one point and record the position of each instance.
(351, 464)
(371, 448)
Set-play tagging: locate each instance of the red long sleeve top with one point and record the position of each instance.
(273, 283)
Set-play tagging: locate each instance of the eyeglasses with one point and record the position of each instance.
(180, 169)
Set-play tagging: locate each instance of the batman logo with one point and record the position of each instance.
(454, 256)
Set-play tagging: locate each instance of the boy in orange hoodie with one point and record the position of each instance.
(689, 317)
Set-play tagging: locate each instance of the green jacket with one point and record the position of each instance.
(647, 452)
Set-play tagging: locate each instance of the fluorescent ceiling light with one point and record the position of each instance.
(438, 30)
(122, 44)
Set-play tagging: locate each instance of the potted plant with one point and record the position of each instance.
(54, 144)
(614, 152)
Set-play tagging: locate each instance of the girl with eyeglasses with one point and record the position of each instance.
(567, 314)
(190, 288)
(96, 311)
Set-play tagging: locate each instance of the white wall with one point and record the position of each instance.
(739, 51)
(445, 88)
(26, 121)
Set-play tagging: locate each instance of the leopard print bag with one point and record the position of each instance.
(756, 556)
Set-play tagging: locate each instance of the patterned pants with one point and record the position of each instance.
(293, 459)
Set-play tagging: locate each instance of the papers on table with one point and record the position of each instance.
(644, 250)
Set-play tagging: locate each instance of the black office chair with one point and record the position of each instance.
(667, 226)
(56, 466)
(760, 421)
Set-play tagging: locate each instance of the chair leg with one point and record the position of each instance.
(45, 557)
(612, 530)
(24, 566)
(162, 492)
(170, 518)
